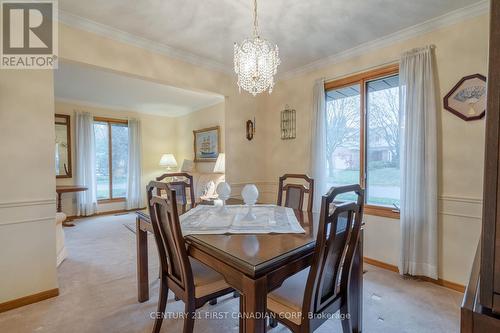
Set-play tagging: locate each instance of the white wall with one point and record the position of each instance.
(244, 159)
(158, 137)
(27, 182)
(27, 198)
(185, 125)
(461, 144)
(88, 48)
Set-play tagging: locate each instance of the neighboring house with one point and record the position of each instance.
(346, 157)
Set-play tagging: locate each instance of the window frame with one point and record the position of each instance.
(109, 122)
(362, 79)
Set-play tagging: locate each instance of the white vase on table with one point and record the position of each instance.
(224, 192)
(250, 194)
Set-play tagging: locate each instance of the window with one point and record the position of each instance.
(111, 141)
(382, 141)
(343, 135)
(363, 137)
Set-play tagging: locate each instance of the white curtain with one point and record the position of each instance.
(419, 220)
(134, 189)
(318, 144)
(85, 164)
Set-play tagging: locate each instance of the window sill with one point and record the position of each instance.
(105, 201)
(381, 211)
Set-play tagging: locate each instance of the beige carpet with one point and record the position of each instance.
(98, 294)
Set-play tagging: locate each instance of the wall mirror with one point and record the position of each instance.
(63, 146)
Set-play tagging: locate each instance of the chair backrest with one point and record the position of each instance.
(338, 234)
(182, 187)
(164, 215)
(295, 193)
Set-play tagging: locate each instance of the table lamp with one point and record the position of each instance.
(187, 166)
(168, 161)
(220, 164)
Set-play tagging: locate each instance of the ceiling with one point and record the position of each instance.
(305, 31)
(80, 84)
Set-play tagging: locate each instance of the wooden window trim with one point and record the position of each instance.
(112, 200)
(109, 122)
(362, 79)
(381, 211)
(365, 76)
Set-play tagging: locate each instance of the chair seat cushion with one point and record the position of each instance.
(286, 301)
(206, 280)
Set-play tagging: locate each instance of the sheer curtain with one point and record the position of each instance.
(134, 189)
(86, 202)
(419, 220)
(318, 144)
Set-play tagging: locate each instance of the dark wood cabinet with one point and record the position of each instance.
(489, 295)
(481, 305)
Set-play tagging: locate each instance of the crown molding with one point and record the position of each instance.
(103, 30)
(442, 21)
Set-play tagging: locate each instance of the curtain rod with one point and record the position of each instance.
(392, 62)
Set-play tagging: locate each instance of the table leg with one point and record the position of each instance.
(59, 203)
(142, 262)
(253, 305)
(242, 311)
(67, 222)
(356, 288)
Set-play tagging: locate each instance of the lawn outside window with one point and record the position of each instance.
(111, 141)
(363, 137)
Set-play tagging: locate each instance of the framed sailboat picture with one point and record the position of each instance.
(206, 144)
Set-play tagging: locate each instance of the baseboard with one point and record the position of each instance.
(439, 282)
(381, 264)
(111, 212)
(444, 283)
(17, 303)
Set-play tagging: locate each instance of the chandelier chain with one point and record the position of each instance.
(255, 20)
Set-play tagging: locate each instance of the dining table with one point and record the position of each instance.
(254, 265)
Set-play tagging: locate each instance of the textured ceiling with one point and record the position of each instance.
(75, 83)
(305, 31)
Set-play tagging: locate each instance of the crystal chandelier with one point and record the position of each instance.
(255, 61)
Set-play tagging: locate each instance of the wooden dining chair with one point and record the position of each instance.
(307, 299)
(295, 193)
(190, 280)
(183, 185)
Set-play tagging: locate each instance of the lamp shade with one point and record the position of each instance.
(220, 164)
(187, 166)
(168, 161)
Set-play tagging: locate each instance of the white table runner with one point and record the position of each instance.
(205, 219)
